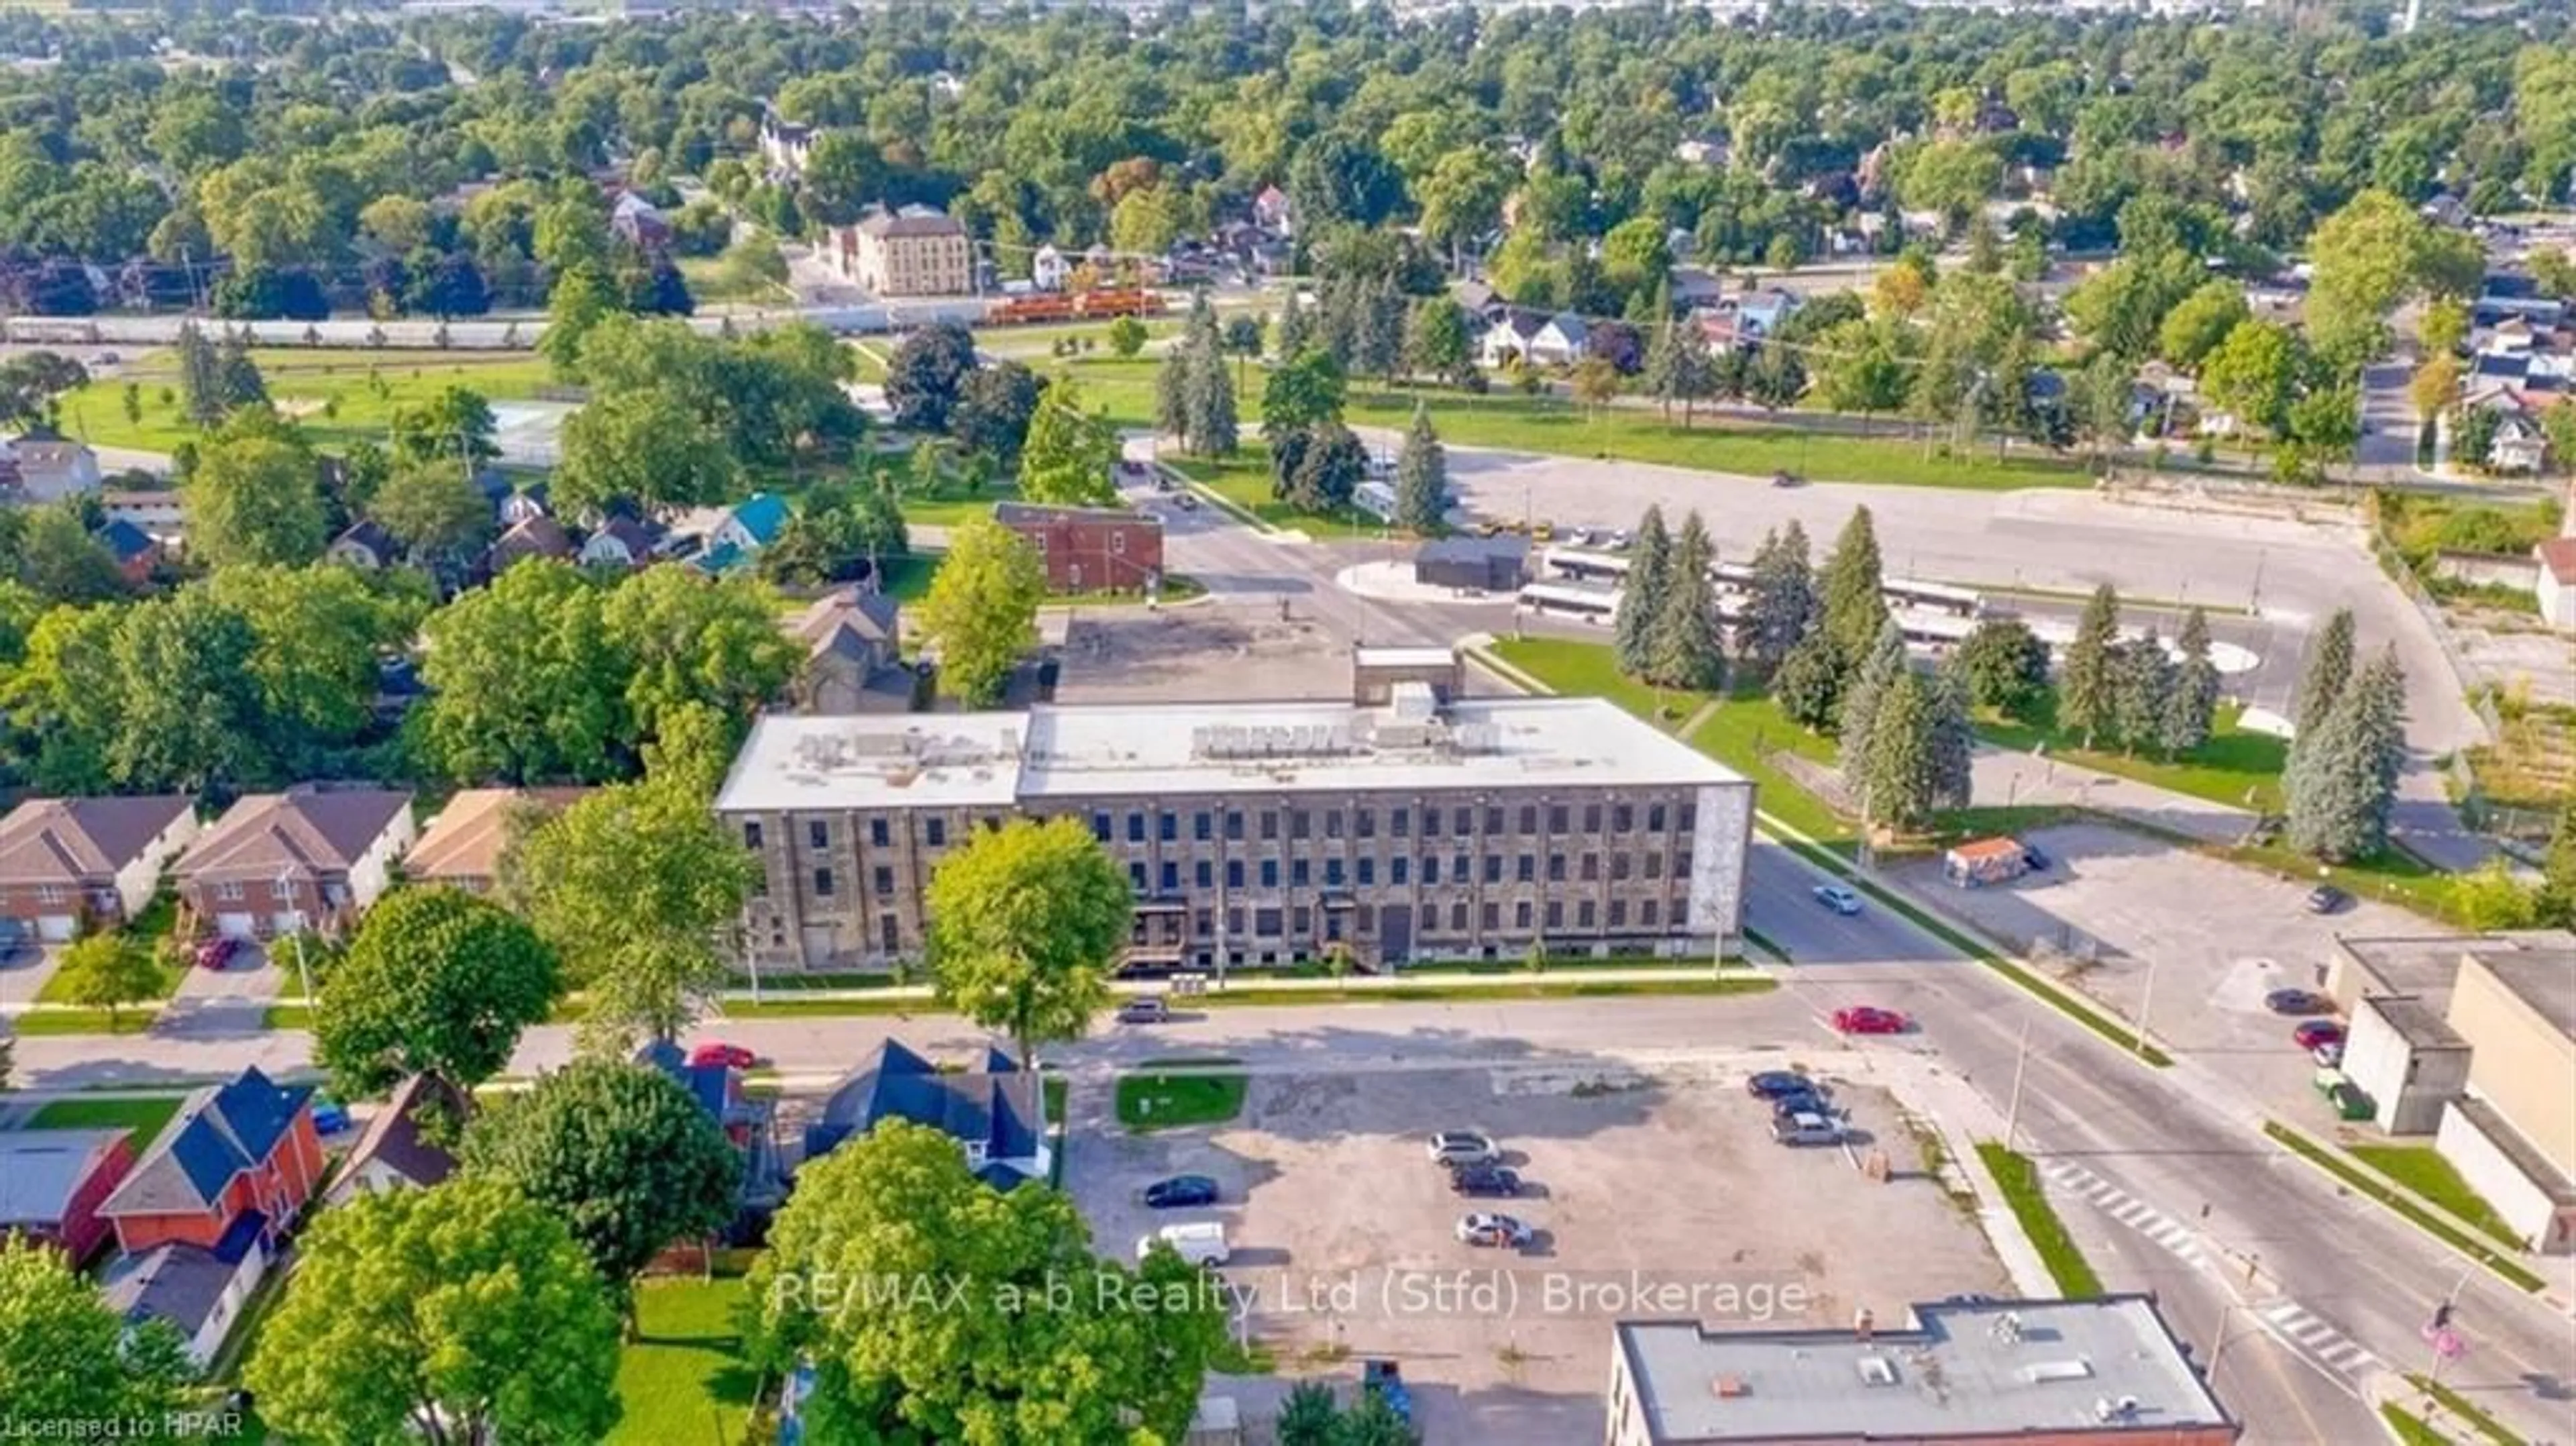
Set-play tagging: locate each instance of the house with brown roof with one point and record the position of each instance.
(537, 536)
(462, 846)
(401, 1148)
(313, 857)
(68, 863)
(621, 541)
(853, 655)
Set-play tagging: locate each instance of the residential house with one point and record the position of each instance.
(918, 251)
(1272, 212)
(1510, 337)
(70, 862)
(2556, 585)
(1708, 148)
(365, 545)
(539, 536)
(51, 468)
(400, 1149)
(853, 655)
(314, 856)
(996, 1112)
(1695, 286)
(1090, 549)
(785, 144)
(1760, 313)
(1564, 340)
(162, 514)
(2519, 444)
(621, 541)
(742, 532)
(2511, 293)
(461, 848)
(239, 1154)
(512, 506)
(199, 1292)
(748, 1121)
(53, 1181)
(639, 223)
(136, 552)
(1048, 269)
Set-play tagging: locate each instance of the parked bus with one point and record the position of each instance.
(1582, 566)
(1592, 603)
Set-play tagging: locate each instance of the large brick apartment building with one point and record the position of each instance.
(1414, 825)
(917, 251)
(1090, 549)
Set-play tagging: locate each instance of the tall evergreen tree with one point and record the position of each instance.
(1855, 605)
(1296, 324)
(1781, 608)
(1808, 685)
(1641, 598)
(2086, 698)
(1953, 742)
(2192, 707)
(1683, 649)
(1898, 780)
(1172, 395)
(201, 377)
(1421, 476)
(2329, 668)
(1661, 373)
(1381, 328)
(2142, 689)
(242, 383)
(1863, 688)
(2343, 776)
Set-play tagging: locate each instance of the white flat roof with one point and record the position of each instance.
(1404, 657)
(1050, 752)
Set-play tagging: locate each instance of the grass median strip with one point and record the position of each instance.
(2019, 1182)
(2461, 1406)
(2409, 1429)
(2420, 1169)
(82, 1021)
(1152, 1100)
(2403, 1202)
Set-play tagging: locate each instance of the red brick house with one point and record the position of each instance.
(70, 863)
(1090, 549)
(53, 1181)
(240, 1160)
(313, 857)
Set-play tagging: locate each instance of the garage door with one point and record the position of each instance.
(236, 926)
(56, 928)
(286, 921)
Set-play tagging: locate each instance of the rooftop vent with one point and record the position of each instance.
(1727, 1388)
(2042, 1371)
(1877, 1371)
(2106, 1410)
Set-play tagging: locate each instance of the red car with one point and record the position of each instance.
(732, 1056)
(2316, 1032)
(1863, 1019)
(216, 953)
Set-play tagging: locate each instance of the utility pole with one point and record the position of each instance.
(2021, 1064)
(2146, 1002)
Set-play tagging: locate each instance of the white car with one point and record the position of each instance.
(1484, 1228)
(1200, 1242)
(1463, 1147)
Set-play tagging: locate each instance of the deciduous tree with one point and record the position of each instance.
(525, 682)
(467, 1310)
(1067, 458)
(982, 609)
(66, 1355)
(1304, 391)
(2005, 666)
(436, 981)
(1026, 922)
(644, 447)
(108, 970)
(689, 639)
(923, 380)
(254, 496)
(619, 1152)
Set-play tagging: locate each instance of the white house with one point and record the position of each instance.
(2518, 446)
(1564, 340)
(2557, 583)
(1508, 339)
(1049, 270)
(50, 468)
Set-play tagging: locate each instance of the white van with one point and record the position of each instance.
(1201, 1242)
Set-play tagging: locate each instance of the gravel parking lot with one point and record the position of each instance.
(1651, 1196)
(2220, 937)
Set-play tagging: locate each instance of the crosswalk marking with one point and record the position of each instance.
(2295, 1325)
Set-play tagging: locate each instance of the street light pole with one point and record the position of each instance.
(2021, 1064)
(2146, 1002)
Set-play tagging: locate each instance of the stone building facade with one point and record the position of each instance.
(1262, 834)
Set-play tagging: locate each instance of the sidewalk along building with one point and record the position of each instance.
(1090, 549)
(1427, 826)
(2045, 1372)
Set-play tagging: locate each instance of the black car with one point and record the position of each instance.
(2031, 856)
(1783, 1106)
(2326, 899)
(1180, 1192)
(1778, 1083)
(2297, 1001)
(1484, 1180)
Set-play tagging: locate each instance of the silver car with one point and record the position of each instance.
(1805, 1127)
(1463, 1147)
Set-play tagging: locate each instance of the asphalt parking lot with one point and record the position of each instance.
(1650, 1196)
(2220, 938)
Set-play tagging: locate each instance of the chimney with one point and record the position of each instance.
(1862, 1320)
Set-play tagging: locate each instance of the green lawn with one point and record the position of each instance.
(55, 990)
(2426, 1173)
(2461, 1406)
(709, 282)
(300, 382)
(145, 1117)
(2410, 1429)
(1553, 425)
(2235, 767)
(683, 1376)
(1244, 480)
(2403, 1202)
(1149, 1101)
(2048, 1235)
(134, 1020)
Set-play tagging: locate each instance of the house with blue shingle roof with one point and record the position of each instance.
(996, 1112)
(238, 1151)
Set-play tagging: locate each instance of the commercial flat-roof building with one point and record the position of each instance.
(2053, 1371)
(1423, 826)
